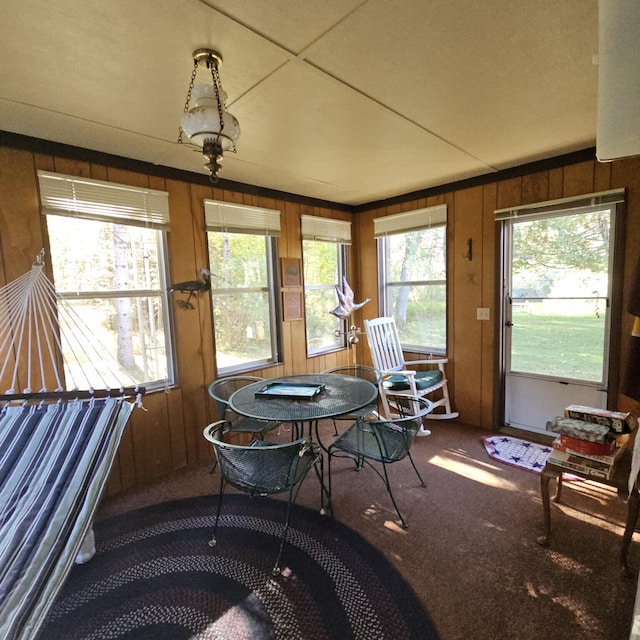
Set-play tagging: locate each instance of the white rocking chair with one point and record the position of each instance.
(396, 376)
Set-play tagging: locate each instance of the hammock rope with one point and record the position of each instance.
(56, 343)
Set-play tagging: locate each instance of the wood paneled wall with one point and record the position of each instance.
(472, 344)
(168, 435)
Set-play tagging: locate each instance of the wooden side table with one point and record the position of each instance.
(619, 481)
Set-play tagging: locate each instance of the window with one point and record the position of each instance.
(108, 249)
(413, 276)
(242, 258)
(324, 247)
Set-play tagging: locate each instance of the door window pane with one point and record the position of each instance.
(559, 289)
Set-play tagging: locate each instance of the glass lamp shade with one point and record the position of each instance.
(202, 121)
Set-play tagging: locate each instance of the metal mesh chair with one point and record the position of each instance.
(383, 441)
(261, 468)
(221, 390)
(357, 371)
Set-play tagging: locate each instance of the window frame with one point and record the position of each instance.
(119, 204)
(341, 330)
(224, 217)
(318, 229)
(430, 218)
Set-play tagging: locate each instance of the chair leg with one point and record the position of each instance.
(388, 485)
(330, 505)
(277, 569)
(323, 490)
(293, 494)
(443, 402)
(213, 541)
(413, 464)
(445, 397)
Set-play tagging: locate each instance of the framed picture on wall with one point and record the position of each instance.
(291, 305)
(291, 275)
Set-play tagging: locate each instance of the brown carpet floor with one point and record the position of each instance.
(470, 552)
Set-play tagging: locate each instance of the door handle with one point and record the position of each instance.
(508, 323)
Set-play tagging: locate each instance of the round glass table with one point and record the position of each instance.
(338, 395)
(334, 395)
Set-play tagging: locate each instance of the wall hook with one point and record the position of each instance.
(469, 254)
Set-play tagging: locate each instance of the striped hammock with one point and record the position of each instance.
(55, 456)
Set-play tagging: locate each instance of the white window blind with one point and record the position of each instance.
(567, 205)
(238, 218)
(325, 229)
(106, 201)
(410, 221)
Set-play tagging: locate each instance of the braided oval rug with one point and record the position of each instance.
(154, 576)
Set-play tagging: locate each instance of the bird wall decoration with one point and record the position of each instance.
(346, 305)
(192, 287)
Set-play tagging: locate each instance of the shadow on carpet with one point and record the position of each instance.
(154, 576)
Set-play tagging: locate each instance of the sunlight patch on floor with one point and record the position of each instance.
(589, 518)
(395, 527)
(581, 614)
(490, 525)
(472, 472)
(596, 491)
(373, 512)
(568, 564)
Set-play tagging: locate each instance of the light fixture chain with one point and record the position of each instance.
(216, 83)
(189, 90)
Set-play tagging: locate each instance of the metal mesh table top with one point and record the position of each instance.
(341, 394)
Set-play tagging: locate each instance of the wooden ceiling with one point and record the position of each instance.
(349, 101)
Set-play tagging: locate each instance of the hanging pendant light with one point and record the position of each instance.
(207, 123)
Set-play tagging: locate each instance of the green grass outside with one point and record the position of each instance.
(566, 346)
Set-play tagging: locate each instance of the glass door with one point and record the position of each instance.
(556, 312)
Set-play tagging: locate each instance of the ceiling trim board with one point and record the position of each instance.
(556, 162)
(48, 147)
(38, 145)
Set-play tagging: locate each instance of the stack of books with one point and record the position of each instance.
(590, 440)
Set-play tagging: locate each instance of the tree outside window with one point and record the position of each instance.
(110, 276)
(242, 243)
(413, 271)
(108, 247)
(324, 266)
(243, 300)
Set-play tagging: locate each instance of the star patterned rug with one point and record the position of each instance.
(517, 452)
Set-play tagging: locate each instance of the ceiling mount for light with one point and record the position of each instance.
(207, 123)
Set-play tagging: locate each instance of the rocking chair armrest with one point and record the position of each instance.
(430, 361)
